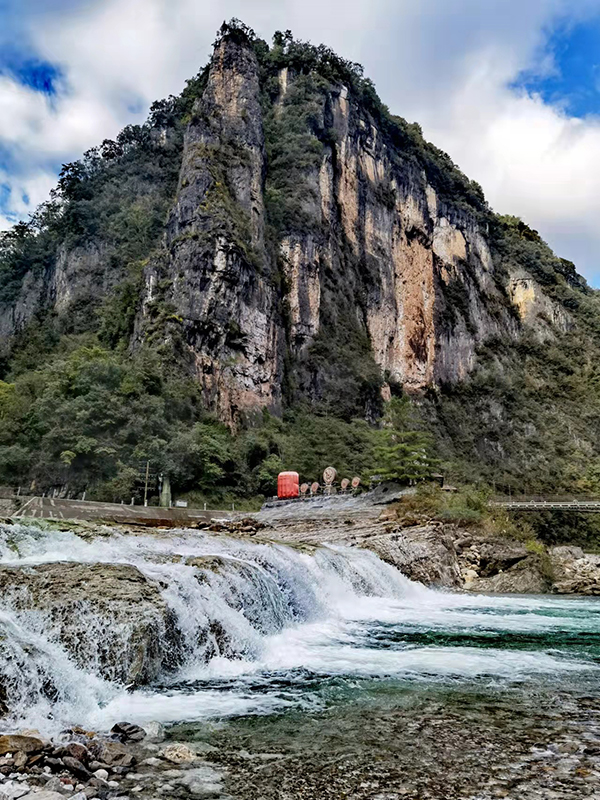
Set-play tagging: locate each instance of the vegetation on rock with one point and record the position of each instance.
(86, 399)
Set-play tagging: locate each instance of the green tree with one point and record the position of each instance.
(266, 475)
(402, 455)
(198, 457)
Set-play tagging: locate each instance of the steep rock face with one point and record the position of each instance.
(16, 314)
(70, 286)
(216, 272)
(416, 274)
(537, 311)
(299, 224)
(423, 271)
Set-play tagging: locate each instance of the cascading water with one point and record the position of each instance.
(189, 626)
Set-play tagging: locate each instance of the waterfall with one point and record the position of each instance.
(64, 655)
(189, 626)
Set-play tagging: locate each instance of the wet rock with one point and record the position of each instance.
(95, 765)
(177, 754)
(73, 750)
(152, 762)
(76, 767)
(155, 732)
(98, 783)
(81, 732)
(203, 747)
(55, 764)
(25, 744)
(247, 526)
(201, 781)
(113, 754)
(19, 760)
(128, 732)
(139, 633)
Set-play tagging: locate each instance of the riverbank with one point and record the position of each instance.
(439, 554)
(283, 671)
(83, 765)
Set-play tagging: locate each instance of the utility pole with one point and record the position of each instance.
(146, 484)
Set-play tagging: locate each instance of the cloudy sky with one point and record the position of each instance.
(509, 88)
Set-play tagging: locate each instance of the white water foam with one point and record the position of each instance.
(259, 612)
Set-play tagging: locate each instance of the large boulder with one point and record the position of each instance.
(528, 576)
(109, 617)
(499, 556)
(115, 754)
(20, 744)
(575, 572)
(424, 553)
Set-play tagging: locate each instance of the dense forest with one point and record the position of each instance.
(85, 404)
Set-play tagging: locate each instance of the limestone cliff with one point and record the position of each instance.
(415, 271)
(215, 263)
(286, 240)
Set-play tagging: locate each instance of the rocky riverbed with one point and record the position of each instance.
(435, 745)
(130, 762)
(402, 745)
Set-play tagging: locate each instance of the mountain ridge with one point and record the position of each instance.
(317, 255)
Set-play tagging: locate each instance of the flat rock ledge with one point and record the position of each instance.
(440, 554)
(80, 599)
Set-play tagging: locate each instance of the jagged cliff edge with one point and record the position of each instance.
(375, 248)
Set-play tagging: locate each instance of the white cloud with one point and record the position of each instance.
(37, 186)
(447, 65)
(532, 159)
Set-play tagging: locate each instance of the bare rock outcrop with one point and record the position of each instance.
(425, 554)
(439, 554)
(215, 272)
(526, 577)
(575, 571)
(109, 615)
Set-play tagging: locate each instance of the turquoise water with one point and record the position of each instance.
(472, 698)
(321, 674)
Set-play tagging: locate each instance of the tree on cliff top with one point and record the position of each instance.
(237, 31)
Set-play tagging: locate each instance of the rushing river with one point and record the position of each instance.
(319, 644)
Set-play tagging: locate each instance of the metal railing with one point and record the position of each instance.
(547, 504)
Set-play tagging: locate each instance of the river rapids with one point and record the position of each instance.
(263, 629)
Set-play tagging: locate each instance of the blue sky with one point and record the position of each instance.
(510, 89)
(571, 77)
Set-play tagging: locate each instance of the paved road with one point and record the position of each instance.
(54, 508)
